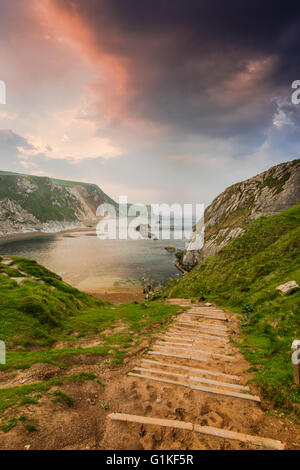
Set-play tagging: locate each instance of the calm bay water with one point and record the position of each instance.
(99, 266)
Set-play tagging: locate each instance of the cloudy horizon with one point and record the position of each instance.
(164, 101)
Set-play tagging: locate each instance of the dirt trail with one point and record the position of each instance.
(193, 374)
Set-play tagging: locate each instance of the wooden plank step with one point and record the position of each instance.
(265, 442)
(199, 335)
(203, 330)
(199, 308)
(200, 351)
(194, 369)
(210, 317)
(188, 334)
(179, 356)
(177, 338)
(178, 344)
(200, 388)
(190, 312)
(197, 315)
(194, 378)
(191, 341)
(186, 345)
(195, 339)
(207, 310)
(209, 326)
(175, 343)
(204, 307)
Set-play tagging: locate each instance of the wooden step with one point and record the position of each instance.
(204, 430)
(194, 378)
(199, 335)
(203, 326)
(203, 330)
(205, 315)
(188, 340)
(206, 310)
(212, 314)
(200, 388)
(194, 338)
(197, 315)
(179, 356)
(200, 351)
(207, 326)
(194, 369)
(178, 344)
(188, 346)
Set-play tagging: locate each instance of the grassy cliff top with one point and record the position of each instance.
(243, 276)
(59, 182)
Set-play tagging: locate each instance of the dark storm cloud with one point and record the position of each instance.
(208, 67)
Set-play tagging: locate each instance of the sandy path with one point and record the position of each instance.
(207, 386)
(179, 393)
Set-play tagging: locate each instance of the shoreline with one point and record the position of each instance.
(118, 298)
(21, 235)
(115, 296)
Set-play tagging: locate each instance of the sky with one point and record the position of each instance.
(164, 101)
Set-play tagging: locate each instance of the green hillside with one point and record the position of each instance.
(243, 276)
(37, 309)
(49, 199)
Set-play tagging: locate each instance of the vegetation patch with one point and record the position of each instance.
(61, 397)
(10, 424)
(45, 310)
(81, 377)
(25, 394)
(30, 427)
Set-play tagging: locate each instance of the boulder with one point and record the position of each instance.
(287, 288)
(170, 249)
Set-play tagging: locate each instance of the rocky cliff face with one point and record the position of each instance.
(227, 217)
(32, 203)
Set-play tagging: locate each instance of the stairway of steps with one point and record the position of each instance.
(195, 353)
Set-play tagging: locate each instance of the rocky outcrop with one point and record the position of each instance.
(32, 203)
(268, 193)
(287, 288)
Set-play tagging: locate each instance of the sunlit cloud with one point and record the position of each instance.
(169, 100)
